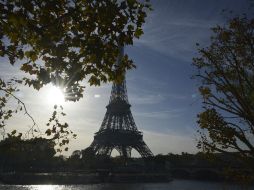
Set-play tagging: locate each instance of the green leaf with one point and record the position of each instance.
(138, 32)
(48, 132)
(13, 132)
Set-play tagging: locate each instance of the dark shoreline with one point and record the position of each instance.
(79, 178)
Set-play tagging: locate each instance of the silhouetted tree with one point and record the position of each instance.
(25, 155)
(64, 42)
(74, 161)
(88, 157)
(76, 154)
(72, 39)
(226, 71)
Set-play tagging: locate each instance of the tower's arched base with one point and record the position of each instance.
(121, 140)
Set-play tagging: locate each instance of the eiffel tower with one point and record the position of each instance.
(118, 129)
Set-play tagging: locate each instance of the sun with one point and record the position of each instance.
(55, 96)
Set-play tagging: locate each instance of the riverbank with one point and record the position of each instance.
(82, 178)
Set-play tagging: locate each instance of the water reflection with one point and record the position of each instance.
(45, 187)
(174, 185)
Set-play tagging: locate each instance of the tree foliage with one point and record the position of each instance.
(226, 70)
(17, 154)
(59, 132)
(64, 42)
(7, 96)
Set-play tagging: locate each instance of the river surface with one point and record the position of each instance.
(174, 185)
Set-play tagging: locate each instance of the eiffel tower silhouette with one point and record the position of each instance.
(118, 129)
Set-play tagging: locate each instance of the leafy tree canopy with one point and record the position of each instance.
(226, 71)
(36, 148)
(65, 41)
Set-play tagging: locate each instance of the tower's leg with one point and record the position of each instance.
(124, 151)
(143, 149)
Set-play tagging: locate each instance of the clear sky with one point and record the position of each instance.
(164, 98)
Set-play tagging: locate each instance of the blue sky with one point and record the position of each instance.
(164, 98)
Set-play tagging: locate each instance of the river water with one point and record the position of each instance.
(174, 185)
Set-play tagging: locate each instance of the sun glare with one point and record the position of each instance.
(44, 187)
(55, 96)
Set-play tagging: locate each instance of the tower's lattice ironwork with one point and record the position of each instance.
(118, 129)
